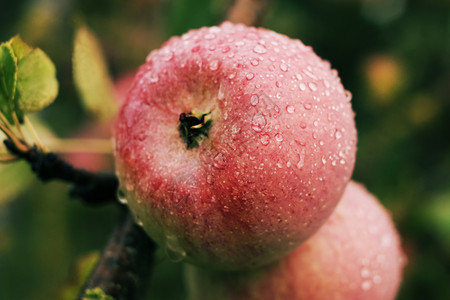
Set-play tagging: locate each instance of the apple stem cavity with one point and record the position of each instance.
(194, 127)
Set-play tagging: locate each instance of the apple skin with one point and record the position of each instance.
(279, 154)
(356, 254)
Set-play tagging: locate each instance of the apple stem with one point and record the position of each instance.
(194, 127)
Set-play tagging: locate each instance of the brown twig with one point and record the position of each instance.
(125, 265)
(248, 12)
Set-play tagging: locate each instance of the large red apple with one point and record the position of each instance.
(234, 145)
(356, 254)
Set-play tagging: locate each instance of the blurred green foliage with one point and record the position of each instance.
(393, 55)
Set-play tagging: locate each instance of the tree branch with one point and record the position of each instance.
(125, 265)
(93, 188)
(248, 12)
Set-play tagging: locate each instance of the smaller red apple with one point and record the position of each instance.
(355, 255)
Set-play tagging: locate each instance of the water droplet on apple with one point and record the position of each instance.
(290, 109)
(264, 139)
(254, 62)
(235, 129)
(298, 76)
(214, 65)
(302, 125)
(280, 165)
(366, 285)
(348, 96)
(278, 84)
(312, 86)
(337, 134)
(260, 49)
(250, 76)
(365, 273)
(279, 137)
(226, 49)
(324, 160)
(121, 196)
(283, 67)
(301, 161)
(307, 106)
(377, 279)
(254, 100)
(258, 122)
(302, 86)
(210, 36)
(174, 251)
(219, 161)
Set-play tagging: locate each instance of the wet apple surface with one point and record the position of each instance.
(274, 149)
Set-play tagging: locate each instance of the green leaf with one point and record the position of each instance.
(36, 85)
(91, 76)
(8, 79)
(19, 47)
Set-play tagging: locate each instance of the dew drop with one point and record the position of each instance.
(195, 49)
(254, 62)
(302, 125)
(337, 134)
(121, 196)
(321, 143)
(316, 123)
(324, 160)
(348, 96)
(226, 49)
(254, 100)
(290, 109)
(214, 65)
(307, 106)
(258, 122)
(366, 285)
(174, 251)
(264, 139)
(278, 95)
(288, 164)
(219, 162)
(278, 84)
(232, 76)
(220, 93)
(235, 129)
(312, 86)
(280, 165)
(301, 161)
(283, 67)
(279, 137)
(365, 273)
(153, 78)
(259, 49)
(250, 76)
(298, 76)
(302, 86)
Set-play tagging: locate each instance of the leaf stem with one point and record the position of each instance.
(34, 135)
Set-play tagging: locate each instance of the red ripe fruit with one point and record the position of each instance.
(234, 145)
(356, 254)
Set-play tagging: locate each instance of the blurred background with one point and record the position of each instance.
(393, 55)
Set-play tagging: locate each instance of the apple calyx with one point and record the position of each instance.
(194, 127)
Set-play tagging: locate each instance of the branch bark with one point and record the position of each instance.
(93, 188)
(248, 12)
(125, 265)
